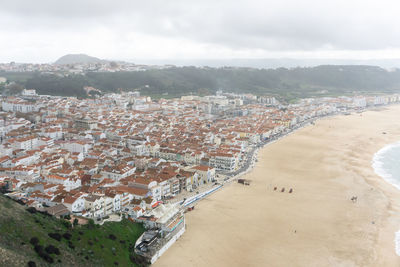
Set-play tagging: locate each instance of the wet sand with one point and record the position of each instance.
(326, 164)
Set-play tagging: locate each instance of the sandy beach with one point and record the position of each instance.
(325, 164)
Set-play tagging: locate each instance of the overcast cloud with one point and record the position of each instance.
(43, 30)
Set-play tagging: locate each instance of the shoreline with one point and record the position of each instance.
(380, 171)
(377, 164)
(318, 225)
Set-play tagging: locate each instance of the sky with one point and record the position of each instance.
(41, 31)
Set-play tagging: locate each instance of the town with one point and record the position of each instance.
(126, 155)
(77, 68)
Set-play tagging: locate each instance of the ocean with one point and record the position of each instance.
(386, 164)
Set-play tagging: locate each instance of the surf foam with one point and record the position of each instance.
(387, 155)
(379, 161)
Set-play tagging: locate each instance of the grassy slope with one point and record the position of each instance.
(287, 84)
(17, 227)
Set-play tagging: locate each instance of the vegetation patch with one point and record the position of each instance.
(52, 250)
(284, 83)
(67, 236)
(55, 236)
(50, 241)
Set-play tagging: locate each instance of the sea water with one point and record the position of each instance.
(386, 164)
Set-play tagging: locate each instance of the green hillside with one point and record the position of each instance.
(25, 237)
(288, 84)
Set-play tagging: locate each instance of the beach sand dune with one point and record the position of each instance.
(325, 164)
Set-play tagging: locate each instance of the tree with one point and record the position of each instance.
(15, 88)
(67, 224)
(34, 240)
(91, 224)
(75, 223)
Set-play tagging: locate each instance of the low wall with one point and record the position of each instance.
(200, 196)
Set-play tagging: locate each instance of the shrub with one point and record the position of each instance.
(55, 236)
(52, 250)
(71, 245)
(31, 210)
(45, 213)
(47, 258)
(39, 249)
(91, 224)
(75, 223)
(34, 240)
(67, 236)
(31, 264)
(19, 201)
(112, 237)
(67, 224)
(67, 217)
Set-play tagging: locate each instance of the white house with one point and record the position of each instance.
(74, 205)
(19, 106)
(69, 183)
(29, 92)
(94, 206)
(224, 161)
(206, 174)
(26, 143)
(117, 172)
(79, 146)
(116, 200)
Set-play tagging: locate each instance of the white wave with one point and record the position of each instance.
(377, 164)
(397, 242)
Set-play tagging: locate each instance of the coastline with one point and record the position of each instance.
(318, 225)
(377, 164)
(380, 171)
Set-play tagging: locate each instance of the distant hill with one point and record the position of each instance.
(268, 63)
(77, 58)
(287, 84)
